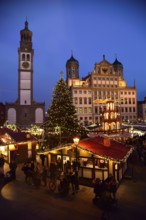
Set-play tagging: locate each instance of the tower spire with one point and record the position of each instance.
(26, 24)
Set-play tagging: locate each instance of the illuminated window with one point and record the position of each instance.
(90, 110)
(85, 110)
(80, 110)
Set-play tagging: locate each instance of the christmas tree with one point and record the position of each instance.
(62, 119)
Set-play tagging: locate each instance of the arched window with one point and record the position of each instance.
(28, 56)
(23, 56)
(39, 116)
(12, 116)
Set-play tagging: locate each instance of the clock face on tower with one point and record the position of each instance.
(25, 65)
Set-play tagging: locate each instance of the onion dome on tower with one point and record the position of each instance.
(117, 63)
(72, 68)
(26, 38)
(118, 67)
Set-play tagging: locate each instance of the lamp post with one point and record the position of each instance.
(76, 141)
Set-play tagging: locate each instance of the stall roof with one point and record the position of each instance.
(107, 148)
(103, 147)
(11, 136)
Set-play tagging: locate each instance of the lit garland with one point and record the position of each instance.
(109, 158)
(90, 152)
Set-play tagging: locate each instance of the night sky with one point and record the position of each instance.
(88, 28)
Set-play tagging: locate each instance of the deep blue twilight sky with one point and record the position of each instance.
(90, 28)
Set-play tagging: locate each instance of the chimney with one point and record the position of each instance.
(106, 142)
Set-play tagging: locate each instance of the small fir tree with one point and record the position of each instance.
(62, 113)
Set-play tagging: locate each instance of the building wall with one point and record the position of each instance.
(25, 115)
(2, 114)
(142, 110)
(104, 82)
(128, 104)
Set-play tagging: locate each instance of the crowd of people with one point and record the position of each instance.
(38, 175)
(105, 194)
(32, 172)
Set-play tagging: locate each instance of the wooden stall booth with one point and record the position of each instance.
(17, 145)
(98, 157)
(101, 156)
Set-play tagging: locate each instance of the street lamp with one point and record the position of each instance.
(76, 141)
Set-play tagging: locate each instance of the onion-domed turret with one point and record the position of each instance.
(118, 67)
(72, 60)
(72, 68)
(117, 63)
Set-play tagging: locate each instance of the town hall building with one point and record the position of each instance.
(105, 82)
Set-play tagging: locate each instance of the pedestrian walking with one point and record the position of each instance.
(63, 186)
(28, 172)
(59, 164)
(67, 167)
(97, 185)
(106, 202)
(74, 181)
(13, 166)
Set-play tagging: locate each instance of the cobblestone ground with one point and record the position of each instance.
(20, 201)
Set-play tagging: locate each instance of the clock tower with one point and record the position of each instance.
(25, 67)
(25, 111)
